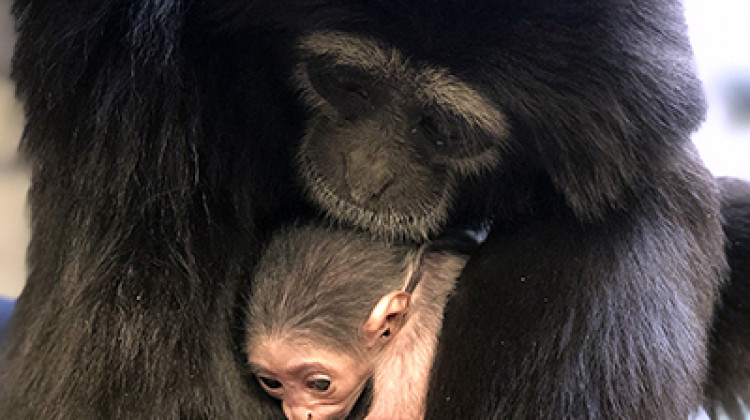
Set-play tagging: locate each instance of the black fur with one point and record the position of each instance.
(161, 136)
(593, 295)
(160, 152)
(729, 375)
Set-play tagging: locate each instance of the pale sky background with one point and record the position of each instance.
(720, 31)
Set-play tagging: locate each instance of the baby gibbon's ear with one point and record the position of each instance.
(386, 318)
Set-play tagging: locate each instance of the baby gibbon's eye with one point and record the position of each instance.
(270, 383)
(320, 385)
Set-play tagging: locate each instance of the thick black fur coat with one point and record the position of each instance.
(161, 136)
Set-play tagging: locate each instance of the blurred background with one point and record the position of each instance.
(14, 179)
(720, 31)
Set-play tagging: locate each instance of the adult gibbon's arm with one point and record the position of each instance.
(729, 373)
(146, 139)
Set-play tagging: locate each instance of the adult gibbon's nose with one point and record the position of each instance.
(367, 177)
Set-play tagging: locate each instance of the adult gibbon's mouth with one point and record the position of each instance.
(414, 222)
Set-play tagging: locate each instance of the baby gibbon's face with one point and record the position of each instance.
(311, 382)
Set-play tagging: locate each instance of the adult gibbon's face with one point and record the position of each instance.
(389, 141)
